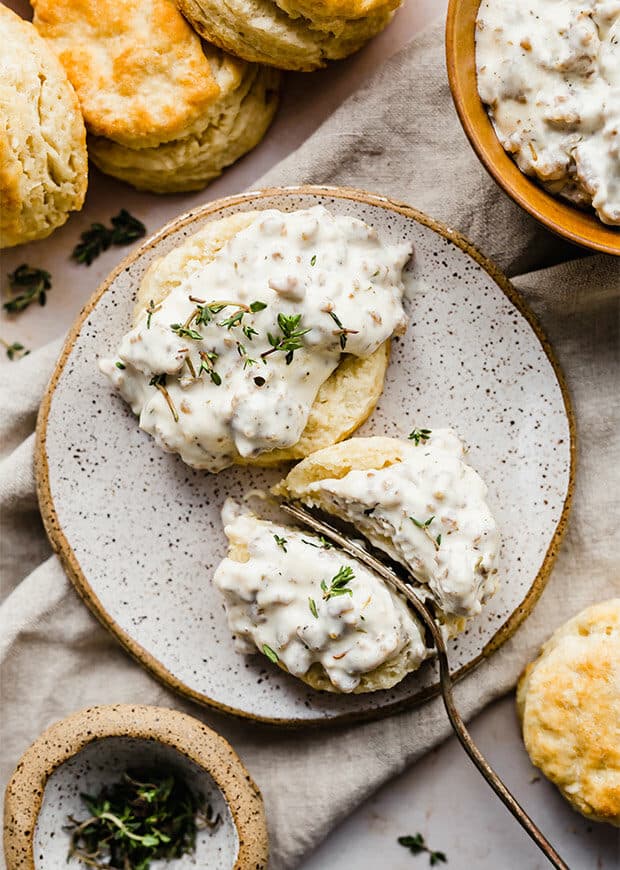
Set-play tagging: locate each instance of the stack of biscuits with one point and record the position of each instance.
(164, 111)
(171, 92)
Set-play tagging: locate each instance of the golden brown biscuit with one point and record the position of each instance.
(43, 163)
(346, 398)
(569, 704)
(235, 124)
(290, 34)
(138, 68)
(165, 112)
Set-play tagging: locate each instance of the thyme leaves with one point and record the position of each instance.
(339, 583)
(94, 241)
(207, 364)
(290, 340)
(420, 436)
(281, 542)
(417, 845)
(341, 331)
(28, 284)
(159, 382)
(144, 816)
(271, 654)
(423, 525)
(323, 545)
(14, 351)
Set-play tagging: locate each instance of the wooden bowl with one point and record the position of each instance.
(580, 227)
(91, 748)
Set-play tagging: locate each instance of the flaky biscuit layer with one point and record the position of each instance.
(43, 162)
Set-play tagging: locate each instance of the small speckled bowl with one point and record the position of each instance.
(580, 227)
(92, 747)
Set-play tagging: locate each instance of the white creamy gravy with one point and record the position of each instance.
(549, 71)
(268, 602)
(453, 544)
(329, 269)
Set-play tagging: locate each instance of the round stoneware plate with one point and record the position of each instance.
(139, 532)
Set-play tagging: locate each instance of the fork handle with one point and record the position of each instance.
(445, 677)
(484, 767)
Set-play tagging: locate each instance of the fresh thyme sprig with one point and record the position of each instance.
(33, 284)
(159, 381)
(126, 228)
(243, 353)
(281, 542)
(313, 608)
(420, 524)
(420, 436)
(207, 363)
(14, 351)
(271, 654)
(424, 526)
(144, 817)
(93, 242)
(338, 583)
(324, 543)
(291, 339)
(341, 331)
(185, 332)
(205, 312)
(417, 845)
(150, 311)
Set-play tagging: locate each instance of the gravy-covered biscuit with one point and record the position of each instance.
(165, 112)
(569, 704)
(313, 610)
(43, 163)
(418, 501)
(290, 34)
(238, 353)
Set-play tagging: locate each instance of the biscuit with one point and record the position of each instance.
(290, 34)
(386, 676)
(235, 123)
(569, 705)
(342, 403)
(164, 112)
(137, 67)
(455, 601)
(43, 162)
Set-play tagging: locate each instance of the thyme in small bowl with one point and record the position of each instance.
(94, 241)
(28, 284)
(143, 817)
(417, 845)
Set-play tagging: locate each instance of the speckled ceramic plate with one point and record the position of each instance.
(139, 532)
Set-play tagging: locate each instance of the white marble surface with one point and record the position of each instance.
(442, 796)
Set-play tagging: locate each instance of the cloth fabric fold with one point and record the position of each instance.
(399, 136)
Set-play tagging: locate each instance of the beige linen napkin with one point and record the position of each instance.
(398, 135)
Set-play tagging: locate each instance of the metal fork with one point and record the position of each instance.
(445, 678)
